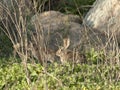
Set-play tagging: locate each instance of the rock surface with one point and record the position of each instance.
(56, 26)
(105, 17)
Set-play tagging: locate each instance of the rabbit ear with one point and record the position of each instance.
(66, 43)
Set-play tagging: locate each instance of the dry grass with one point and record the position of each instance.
(28, 44)
(16, 26)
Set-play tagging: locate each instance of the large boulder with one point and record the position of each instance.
(55, 26)
(105, 17)
(51, 27)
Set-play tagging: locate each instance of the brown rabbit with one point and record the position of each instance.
(65, 54)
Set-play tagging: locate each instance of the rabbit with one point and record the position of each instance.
(65, 54)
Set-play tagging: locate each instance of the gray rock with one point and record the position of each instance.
(58, 26)
(105, 17)
(55, 26)
(54, 20)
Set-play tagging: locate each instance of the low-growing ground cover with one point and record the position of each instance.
(54, 76)
(101, 72)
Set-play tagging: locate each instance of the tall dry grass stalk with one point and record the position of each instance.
(14, 24)
(26, 43)
(104, 17)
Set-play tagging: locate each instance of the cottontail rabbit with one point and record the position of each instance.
(65, 54)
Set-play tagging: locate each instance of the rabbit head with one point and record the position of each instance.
(62, 51)
(65, 54)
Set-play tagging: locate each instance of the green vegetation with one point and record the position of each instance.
(5, 45)
(13, 76)
(76, 6)
(101, 72)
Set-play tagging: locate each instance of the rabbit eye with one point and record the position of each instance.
(61, 50)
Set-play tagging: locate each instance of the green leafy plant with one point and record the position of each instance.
(56, 76)
(94, 56)
(75, 6)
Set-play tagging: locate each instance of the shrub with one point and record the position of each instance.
(56, 76)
